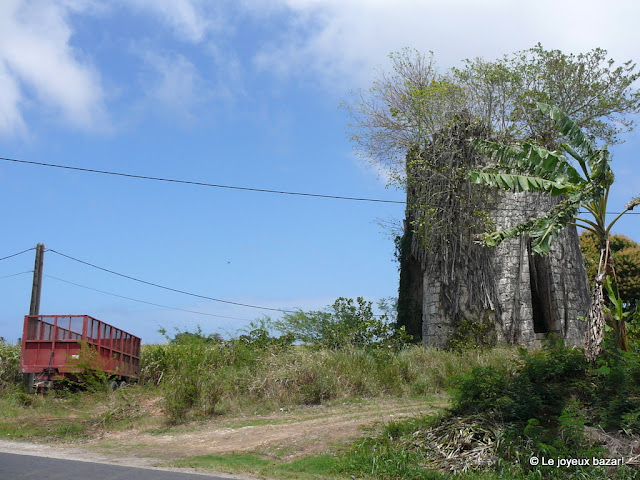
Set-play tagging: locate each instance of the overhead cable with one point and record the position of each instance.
(202, 184)
(169, 288)
(16, 274)
(19, 253)
(235, 187)
(143, 301)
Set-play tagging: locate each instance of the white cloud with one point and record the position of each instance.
(36, 56)
(179, 83)
(176, 83)
(335, 43)
(384, 174)
(11, 120)
(191, 20)
(341, 42)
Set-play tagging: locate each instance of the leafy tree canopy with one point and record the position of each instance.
(626, 260)
(405, 108)
(186, 337)
(346, 322)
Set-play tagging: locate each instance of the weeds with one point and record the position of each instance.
(9, 363)
(542, 405)
(199, 378)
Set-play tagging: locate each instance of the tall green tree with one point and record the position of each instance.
(581, 175)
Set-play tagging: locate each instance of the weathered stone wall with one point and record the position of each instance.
(437, 325)
(539, 294)
(534, 295)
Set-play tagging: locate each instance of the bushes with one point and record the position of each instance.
(345, 323)
(544, 404)
(251, 374)
(616, 398)
(9, 364)
(539, 388)
(506, 412)
(187, 375)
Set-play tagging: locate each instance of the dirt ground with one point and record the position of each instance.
(285, 434)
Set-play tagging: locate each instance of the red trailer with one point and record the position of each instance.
(51, 348)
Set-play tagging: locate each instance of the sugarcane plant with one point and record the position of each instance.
(580, 174)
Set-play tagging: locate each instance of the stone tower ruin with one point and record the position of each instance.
(523, 297)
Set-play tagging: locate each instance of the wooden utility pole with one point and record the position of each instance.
(36, 288)
(34, 308)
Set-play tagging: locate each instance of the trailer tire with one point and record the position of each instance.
(113, 385)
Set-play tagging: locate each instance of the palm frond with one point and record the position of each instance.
(569, 129)
(542, 230)
(520, 183)
(530, 159)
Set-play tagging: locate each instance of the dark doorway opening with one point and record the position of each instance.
(540, 292)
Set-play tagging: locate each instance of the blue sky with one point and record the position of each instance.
(239, 93)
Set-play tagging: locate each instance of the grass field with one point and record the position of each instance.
(272, 411)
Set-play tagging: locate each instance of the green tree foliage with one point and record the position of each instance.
(626, 261)
(587, 86)
(185, 337)
(346, 322)
(407, 107)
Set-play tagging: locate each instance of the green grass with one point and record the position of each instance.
(62, 415)
(299, 382)
(320, 467)
(374, 459)
(261, 380)
(245, 381)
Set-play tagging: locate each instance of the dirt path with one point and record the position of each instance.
(284, 434)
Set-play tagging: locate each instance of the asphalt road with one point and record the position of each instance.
(19, 467)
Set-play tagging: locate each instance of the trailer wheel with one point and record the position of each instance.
(122, 384)
(113, 385)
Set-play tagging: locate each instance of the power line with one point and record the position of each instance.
(235, 187)
(143, 301)
(19, 253)
(202, 184)
(169, 288)
(16, 274)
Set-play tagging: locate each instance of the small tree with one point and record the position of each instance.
(345, 323)
(530, 167)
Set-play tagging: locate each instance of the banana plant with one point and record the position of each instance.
(580, 174)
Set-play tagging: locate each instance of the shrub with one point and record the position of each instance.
(188, 381)
(539, 388)
(89, 373)
(616, 398)
(477, 333)
(9, 364)
(345, 323)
